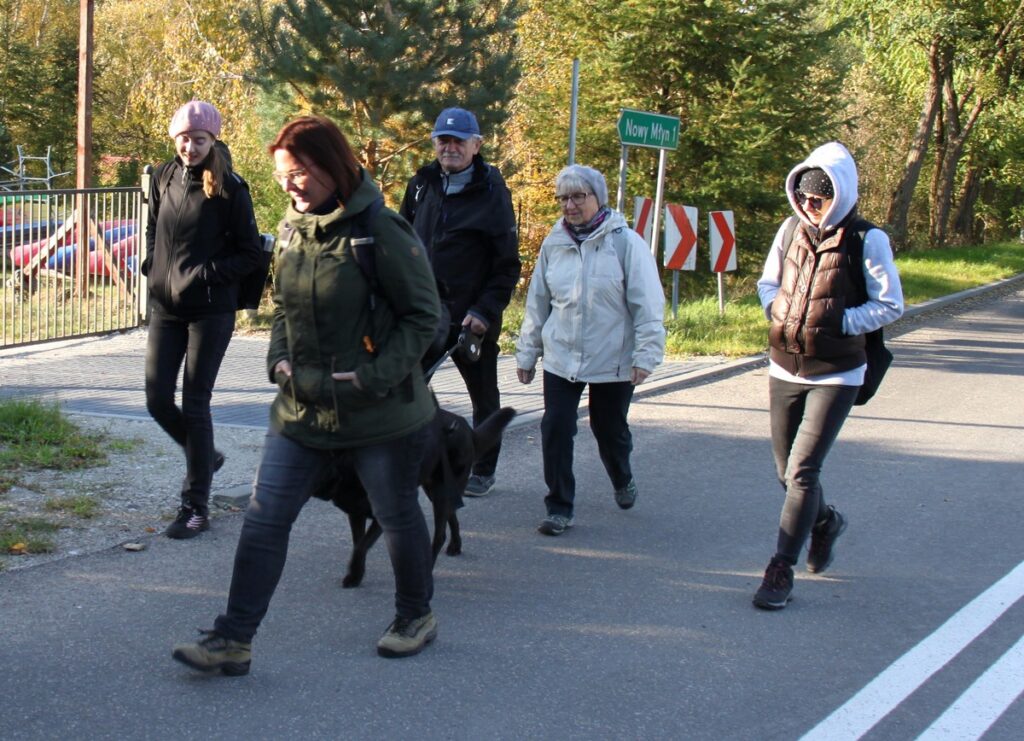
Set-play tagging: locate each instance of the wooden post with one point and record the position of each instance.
(83, 174)
(84, 160)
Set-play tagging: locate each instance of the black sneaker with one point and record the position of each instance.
(218, 460)
(214, 652)
(555, 524)
(188, 524)
(626, 496)
(407, 636)
(823, 540)
(776, 586)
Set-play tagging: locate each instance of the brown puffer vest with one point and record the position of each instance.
(806, 336)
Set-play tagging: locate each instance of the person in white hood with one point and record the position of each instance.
(595, 312)
(820, 310)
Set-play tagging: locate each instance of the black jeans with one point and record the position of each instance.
(390, 473)
(805, 421)
(481, 380)
(201, 343)
(609, 408)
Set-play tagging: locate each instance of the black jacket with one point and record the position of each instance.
(471, 240)
(199, 247)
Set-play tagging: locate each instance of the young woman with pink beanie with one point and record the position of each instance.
(201, 240)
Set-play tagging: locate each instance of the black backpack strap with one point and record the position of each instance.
(856, 230)
(787, 235)
(361, 243)
(364, 251)
(164, 179)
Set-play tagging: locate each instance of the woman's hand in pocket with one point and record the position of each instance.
(348, 376)
(284, 367)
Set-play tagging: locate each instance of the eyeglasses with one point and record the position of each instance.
(815, 202)
(295, 177)
(577, 198)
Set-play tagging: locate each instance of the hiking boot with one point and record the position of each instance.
(626, 496)
(479, 485)
(555, 524)
(407, 636)
(214, 652)
(823, 539)
(188, 524)
(776, 586)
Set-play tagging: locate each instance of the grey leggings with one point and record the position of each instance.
(805, 421)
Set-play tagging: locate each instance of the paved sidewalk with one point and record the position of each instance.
(104, 376)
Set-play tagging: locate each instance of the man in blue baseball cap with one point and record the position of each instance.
(462, 210)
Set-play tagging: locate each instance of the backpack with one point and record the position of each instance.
(250, 286)
(879, 357)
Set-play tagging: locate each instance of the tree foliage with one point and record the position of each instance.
(384, 70)
(747, 79)
(39, 79)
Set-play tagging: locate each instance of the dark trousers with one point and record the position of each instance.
(805, 421)
(200, 343)
(390, 473)
(481, 379)
(609, 408)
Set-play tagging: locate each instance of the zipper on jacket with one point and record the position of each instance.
(186, 181)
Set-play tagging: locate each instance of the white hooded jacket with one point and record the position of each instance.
(885, 294)
(593, 311)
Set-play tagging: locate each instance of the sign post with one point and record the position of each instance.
(646, 129)
(680, 245)
(723, 249)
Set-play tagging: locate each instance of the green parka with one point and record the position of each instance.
(321, 319)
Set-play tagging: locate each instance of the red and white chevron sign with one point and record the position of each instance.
(680, 237)
(723, 241)
(643, 217)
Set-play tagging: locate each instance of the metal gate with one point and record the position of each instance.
(69, 263)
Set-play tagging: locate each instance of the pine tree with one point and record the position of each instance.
(384, 70)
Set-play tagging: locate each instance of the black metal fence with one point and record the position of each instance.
(69, 263)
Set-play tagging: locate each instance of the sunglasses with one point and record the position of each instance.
(815, 202)
(577, 198)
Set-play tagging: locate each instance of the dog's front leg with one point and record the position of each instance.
(455, 544)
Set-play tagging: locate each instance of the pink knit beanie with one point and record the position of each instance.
(196, 115)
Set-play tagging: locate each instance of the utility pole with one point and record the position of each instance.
(84, 158)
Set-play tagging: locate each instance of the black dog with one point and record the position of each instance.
(452, 448)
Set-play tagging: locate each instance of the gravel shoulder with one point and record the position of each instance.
(137, 490)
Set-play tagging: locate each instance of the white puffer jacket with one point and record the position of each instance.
(594, 311)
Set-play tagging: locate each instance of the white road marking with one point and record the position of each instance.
(864, 710)
(980, 706)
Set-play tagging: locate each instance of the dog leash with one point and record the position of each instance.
(468, 343)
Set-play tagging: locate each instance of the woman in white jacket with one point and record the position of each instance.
(595, 312)
(821, 302)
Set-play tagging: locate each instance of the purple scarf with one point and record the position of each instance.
(580, 233)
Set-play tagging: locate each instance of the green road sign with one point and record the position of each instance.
(644, 129)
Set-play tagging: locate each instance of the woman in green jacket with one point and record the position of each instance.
(351, 391)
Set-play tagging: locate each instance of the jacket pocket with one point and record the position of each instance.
(189, 287)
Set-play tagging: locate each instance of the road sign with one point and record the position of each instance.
(680, 237)
(643, 209)
(723, 241)
(645, 129)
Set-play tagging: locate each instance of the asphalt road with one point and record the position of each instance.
(632, 625)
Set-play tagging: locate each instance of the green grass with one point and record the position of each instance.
(36, 435)
(929, 274)
(122, 445)
(27, 535)
(79, 505)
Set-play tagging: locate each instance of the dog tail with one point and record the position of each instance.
(489, 432)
